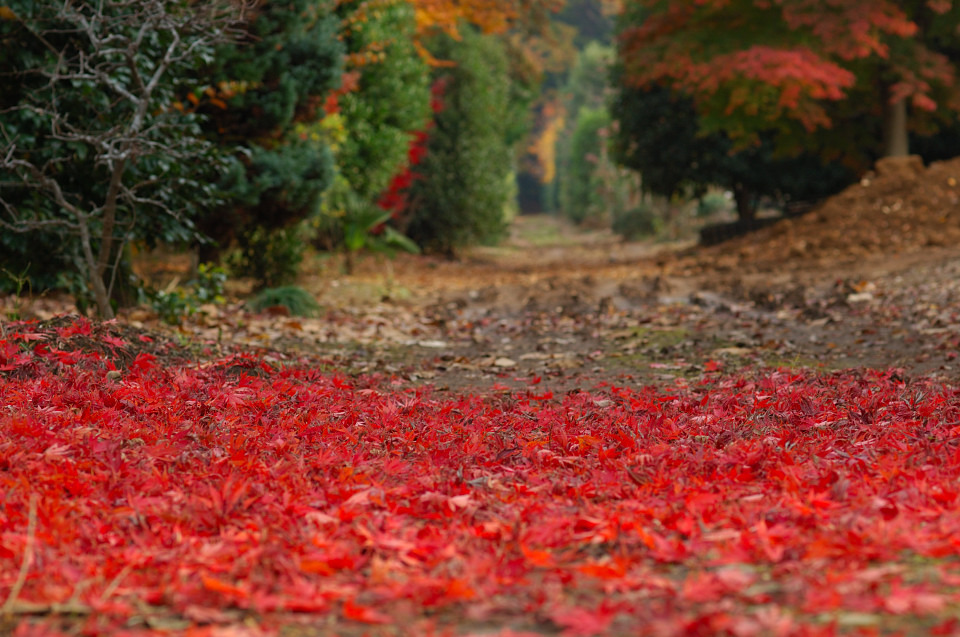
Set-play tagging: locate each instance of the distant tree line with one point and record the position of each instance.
(781, 101)
(250, 130)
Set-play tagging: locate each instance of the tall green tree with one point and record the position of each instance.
(463, 188)
(578, 149)
(93, 153)
(580, 186)
(289, 61)
(387, 102)
(391, 99)
(372, 122)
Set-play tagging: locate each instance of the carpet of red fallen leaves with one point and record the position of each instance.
(237, 497)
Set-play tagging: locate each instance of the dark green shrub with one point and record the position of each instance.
(71, 106)
(39, 256)
(290, 61)
(636, 223)
(297, 300)
(271, 257)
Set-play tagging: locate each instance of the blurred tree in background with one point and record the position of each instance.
(571, 41)
(756, 68)
(278, 76)
(746, 94)
(373, 122)
(580, 189)
(463, 188)
(581, 147)
(592, 21)
(659, 137)
(391, 99)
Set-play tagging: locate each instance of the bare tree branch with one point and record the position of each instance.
(125, 54)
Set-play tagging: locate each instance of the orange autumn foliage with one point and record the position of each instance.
(752, 63)
(490, 16)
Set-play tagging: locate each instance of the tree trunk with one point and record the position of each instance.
(110, 216)
(122, 288)
(100, 294)
(348, 260)
(746, 208)
(896, 140)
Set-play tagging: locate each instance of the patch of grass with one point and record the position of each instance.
(647, 337)
(675, 351)
(668, 337)
(539, 234)
(347, 292)
(395, 292)
(540, 231)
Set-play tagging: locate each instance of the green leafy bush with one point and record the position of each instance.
(636, 223)
(349, 220)
(73, 101)
(271, 257)
(173, 305)
(713, 203)
(390, 102)
(371, 127)
(588, 84)
(297, 300)
(586, 87)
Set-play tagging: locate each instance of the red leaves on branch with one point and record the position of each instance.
(745, 60)
(751, 504)
(395, 197)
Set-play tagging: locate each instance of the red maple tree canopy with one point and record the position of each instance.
(750, 63)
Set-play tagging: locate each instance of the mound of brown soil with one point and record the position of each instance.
(900, 208)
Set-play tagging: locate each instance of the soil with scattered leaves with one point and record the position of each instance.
(868, 279)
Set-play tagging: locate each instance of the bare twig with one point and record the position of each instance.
(27, 558)
(115, 583)
(33, 608)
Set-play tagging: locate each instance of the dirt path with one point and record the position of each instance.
(616, 311)
(567, 310)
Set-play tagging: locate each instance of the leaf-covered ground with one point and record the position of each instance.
(241, 496)
(566, 435)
